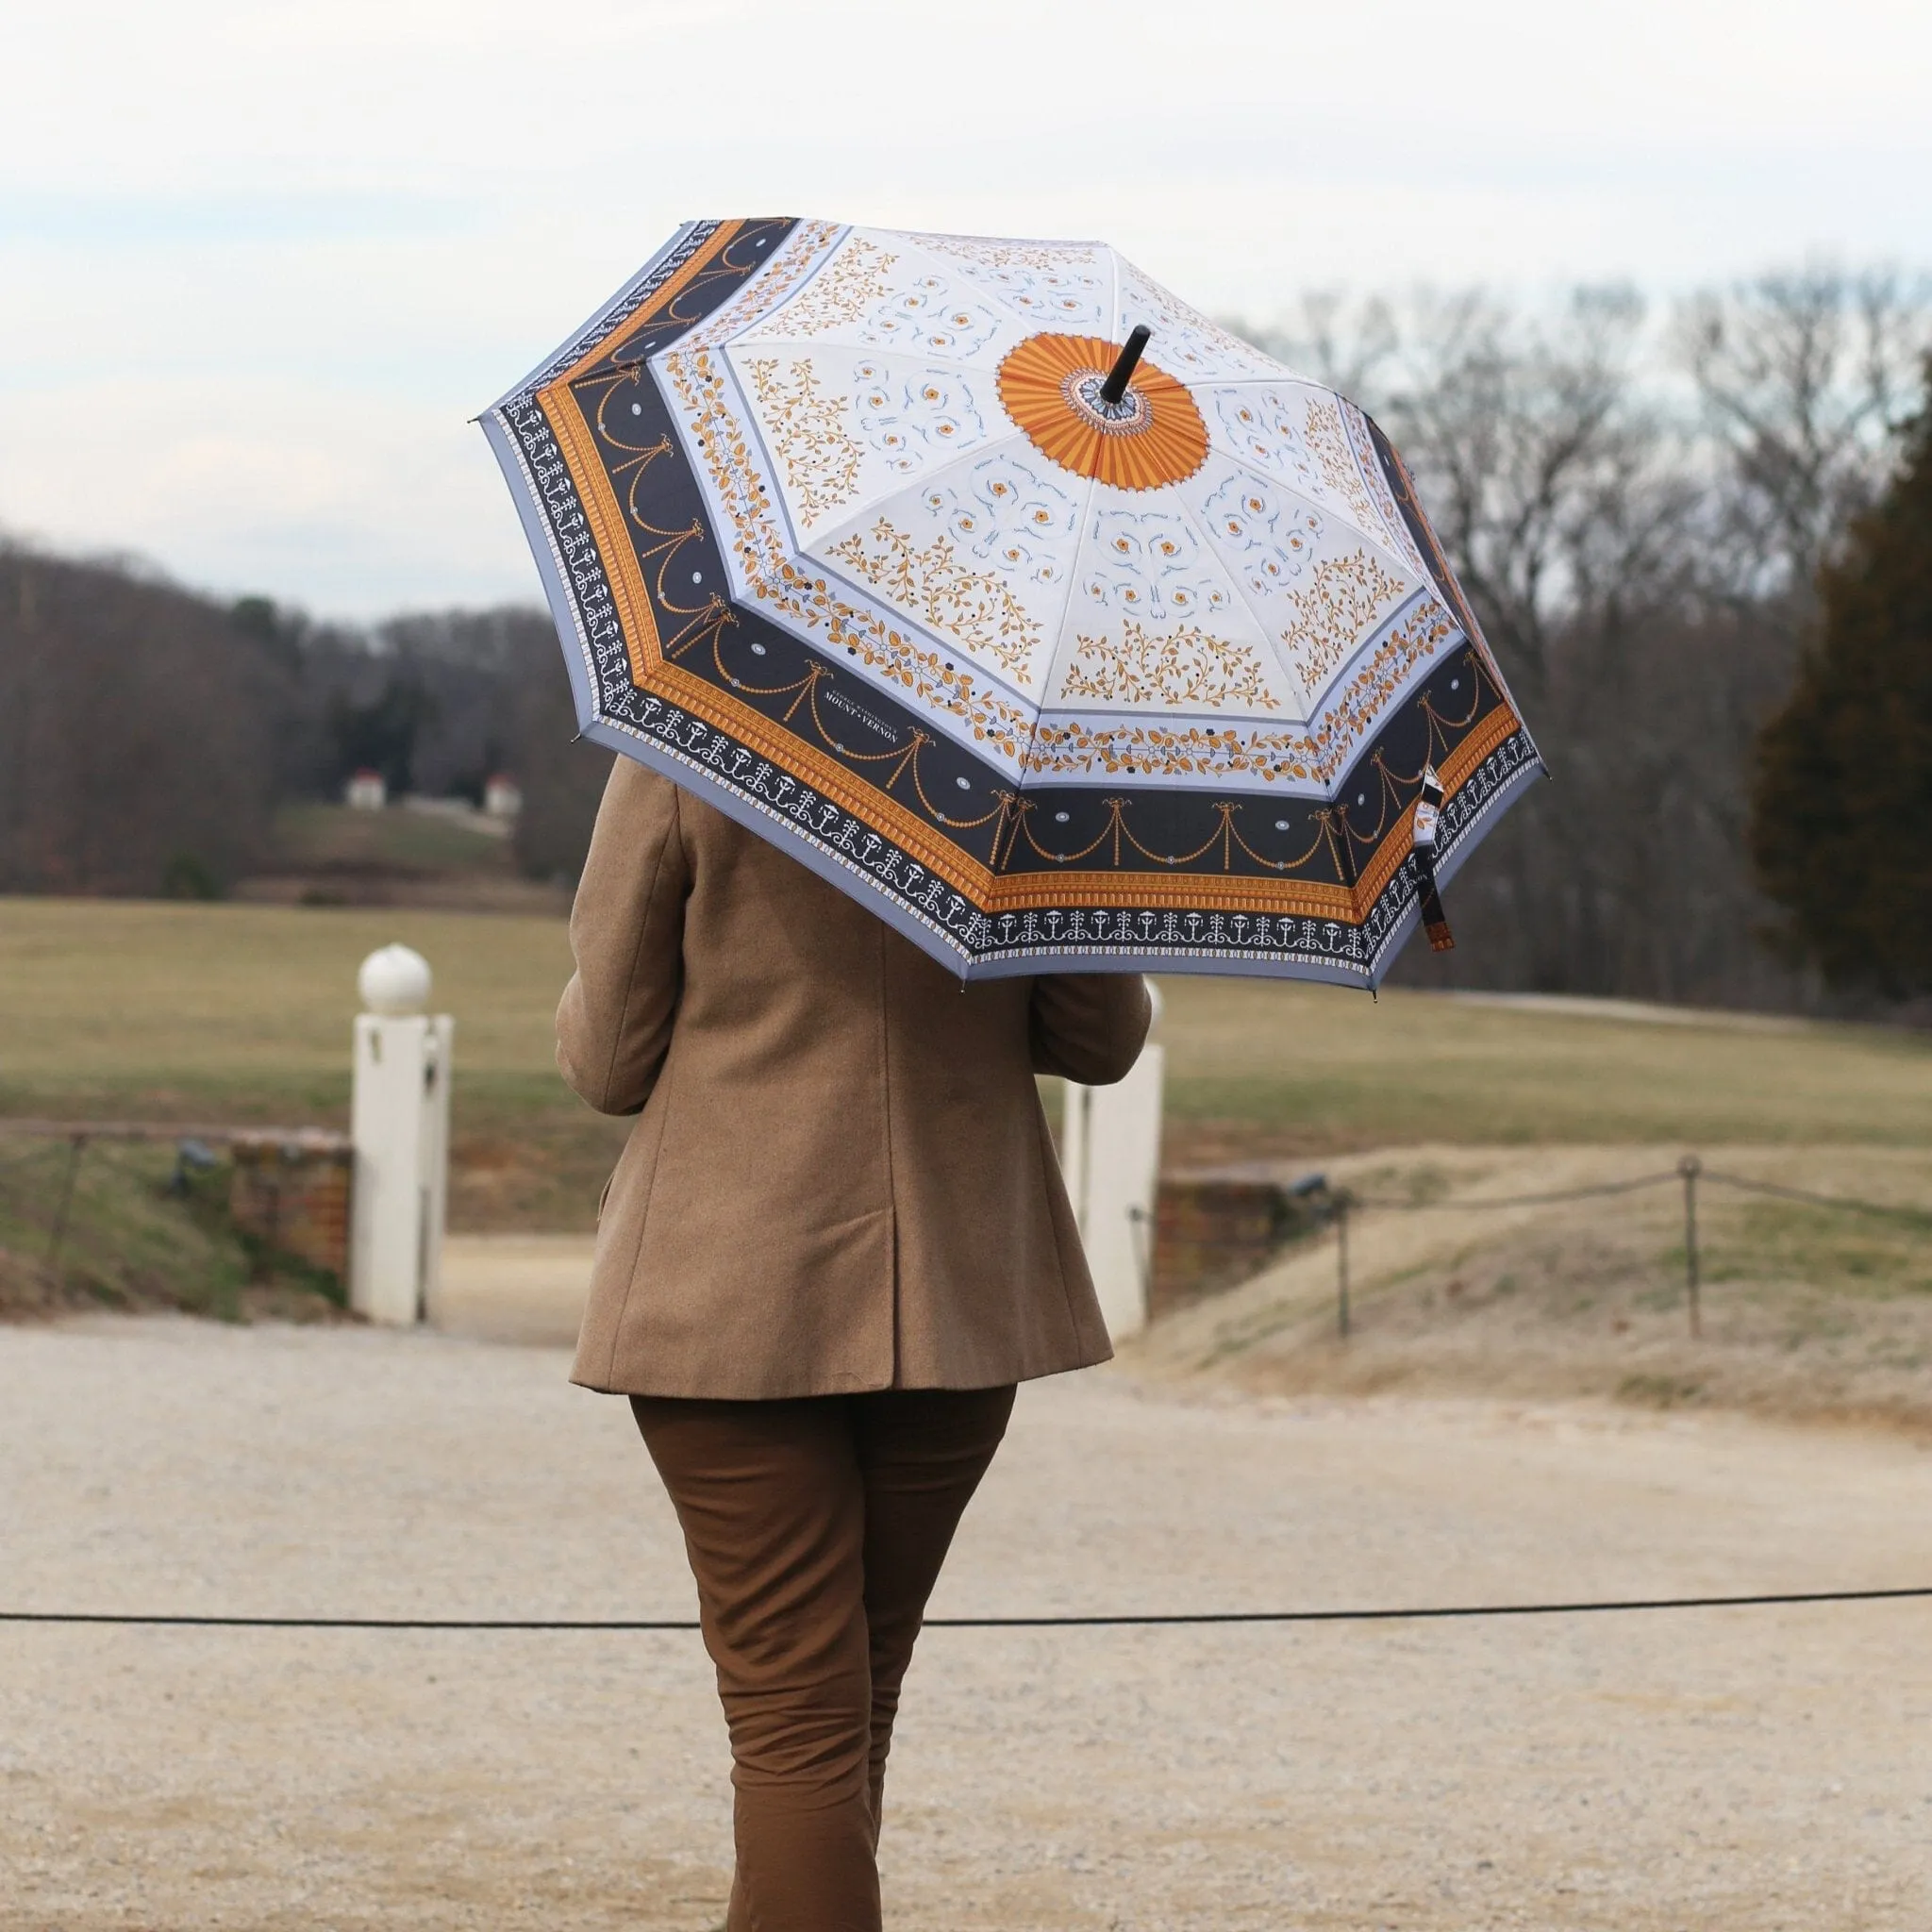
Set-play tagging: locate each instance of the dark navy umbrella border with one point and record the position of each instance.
(754, 662)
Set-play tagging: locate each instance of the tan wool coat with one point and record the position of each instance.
(840, 1177)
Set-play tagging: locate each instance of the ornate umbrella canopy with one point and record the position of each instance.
(898, 549)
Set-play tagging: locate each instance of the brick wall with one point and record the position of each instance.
(290, 1192)
(1214, 1230)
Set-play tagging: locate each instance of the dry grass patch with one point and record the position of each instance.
(1806, 1312)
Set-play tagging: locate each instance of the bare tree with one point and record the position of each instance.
(1806, 378)
(1594, 526)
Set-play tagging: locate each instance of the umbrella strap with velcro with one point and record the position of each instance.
(1427, 815)
(1435, 922)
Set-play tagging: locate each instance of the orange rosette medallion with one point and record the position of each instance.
(1153, 436)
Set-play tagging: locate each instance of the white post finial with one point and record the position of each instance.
(395, 980)
(400, 1126)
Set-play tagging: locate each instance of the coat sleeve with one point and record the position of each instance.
(626, 931)
(1089, 1026)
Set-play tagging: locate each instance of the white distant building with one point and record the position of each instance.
(503, 798)
(366, 792)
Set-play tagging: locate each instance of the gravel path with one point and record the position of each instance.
(1753, 1769)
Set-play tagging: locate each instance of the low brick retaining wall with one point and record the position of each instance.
(290, 1192)
(1217, 1228)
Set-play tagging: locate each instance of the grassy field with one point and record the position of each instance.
(316, 837)
(136, 1230)
(329, 855)
(242, 1013)
(1297, 1069)
(119, 1009)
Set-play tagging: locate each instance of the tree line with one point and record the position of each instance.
(148, 734)
(1645, 506)
(1662, 517)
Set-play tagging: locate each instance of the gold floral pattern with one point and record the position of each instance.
(808, 605)
(1327, 444)
(1042, 257)
(973, 606)
(853, 282)
(1317, 756)
(806, 430)
(805, 247)
(1343, 603)
(1183, 666)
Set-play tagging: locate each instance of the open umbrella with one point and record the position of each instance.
(1030, 607)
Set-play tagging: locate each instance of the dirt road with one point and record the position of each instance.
(1749, 1770)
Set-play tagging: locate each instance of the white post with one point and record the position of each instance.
(1111, 1142)
(439, 1061)
(399, 1121)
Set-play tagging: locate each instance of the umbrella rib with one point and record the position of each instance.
(1059, 635)
(1260, 624)
(854, 523)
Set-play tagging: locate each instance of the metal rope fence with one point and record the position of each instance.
(1689, 1173)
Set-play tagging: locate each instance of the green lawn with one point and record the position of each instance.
(325, 836)
(128, 1009)
(1315, 1067)
(127, 994)
(242, 1013)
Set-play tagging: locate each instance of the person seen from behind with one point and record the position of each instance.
(836, 1240)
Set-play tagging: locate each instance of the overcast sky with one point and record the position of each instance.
(260, 262)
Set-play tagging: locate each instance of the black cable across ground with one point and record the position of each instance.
(1124, 1620)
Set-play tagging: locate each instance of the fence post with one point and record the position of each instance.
(1342, 1320)
(1690, 1167)
(76, 1148)
(399, 1121)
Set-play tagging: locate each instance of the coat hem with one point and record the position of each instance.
(854, 1385)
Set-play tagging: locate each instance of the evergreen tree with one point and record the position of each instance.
(1842, 809)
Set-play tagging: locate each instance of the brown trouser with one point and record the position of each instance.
(816, 1530)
